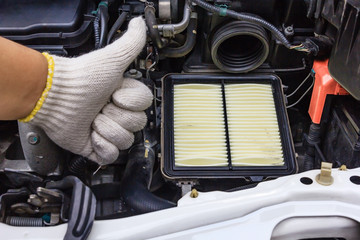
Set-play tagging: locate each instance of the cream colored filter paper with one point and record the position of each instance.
(199, 125)
(253, 126)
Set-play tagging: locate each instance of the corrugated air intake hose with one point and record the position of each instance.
(239, 46)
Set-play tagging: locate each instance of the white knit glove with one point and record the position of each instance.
(114, 127)
(78, 88)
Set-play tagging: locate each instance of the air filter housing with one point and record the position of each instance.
(225, 127)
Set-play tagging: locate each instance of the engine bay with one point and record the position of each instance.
(244, 92)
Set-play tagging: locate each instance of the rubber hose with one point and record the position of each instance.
(239, 46)
(313, 137)
(152, 27)
(97, 30)
(77, 166)
(117, 25)
(136, 182)
(104, 18)
(244, 17)
(157, 181)
(188, 45)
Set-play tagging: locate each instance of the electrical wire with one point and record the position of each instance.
(148, 69)
(292, 105)
(300, 48)
(311, 73)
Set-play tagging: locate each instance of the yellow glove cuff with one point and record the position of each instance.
(51, 66)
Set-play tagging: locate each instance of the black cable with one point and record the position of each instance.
(97, 30)
(104, 18)
(117, 25)
(151, 23)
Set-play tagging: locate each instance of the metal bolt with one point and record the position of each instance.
(289, 31)
(33, 138)
(343, 168)
(133, 72)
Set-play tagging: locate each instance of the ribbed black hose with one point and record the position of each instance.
(313, 137)
(104, 18)
(245, 17)
(136, 182)
(118, 23)
(77, 166)
(188, 45)
(151, 23)
(239, 46)
(97, 30)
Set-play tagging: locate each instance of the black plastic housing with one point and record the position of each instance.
(43, 22)
(168, 160)
(342, 136)
(344, 62)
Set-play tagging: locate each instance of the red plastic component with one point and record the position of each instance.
(324, 85)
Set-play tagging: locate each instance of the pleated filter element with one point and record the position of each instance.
(199, 126)
(224, 126)
(253, 125)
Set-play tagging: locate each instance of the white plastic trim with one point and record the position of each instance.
(246, 214)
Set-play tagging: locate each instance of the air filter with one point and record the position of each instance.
(225, 127)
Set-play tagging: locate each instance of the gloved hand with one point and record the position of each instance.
(78, 88)
(114, 127)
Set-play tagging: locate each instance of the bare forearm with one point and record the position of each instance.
(23, 73)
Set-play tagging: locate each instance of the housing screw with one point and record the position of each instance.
(33, 138)
(343, 167)
(325, 178)
(194, 193)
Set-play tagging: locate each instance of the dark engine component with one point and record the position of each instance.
(239, 46)
(57, 24)
(344, 63)
(259, 47)
(43, 155)
(137, 179)
(222, 129)
(68, 200)
(342, 138)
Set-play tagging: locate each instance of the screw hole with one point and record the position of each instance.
(306, 180)
(355, 180)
